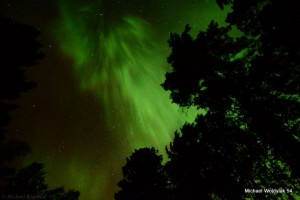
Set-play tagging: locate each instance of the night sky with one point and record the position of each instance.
(99, 96)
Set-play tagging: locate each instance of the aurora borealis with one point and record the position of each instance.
(99, 95)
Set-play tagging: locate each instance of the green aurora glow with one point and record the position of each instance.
(119, 54)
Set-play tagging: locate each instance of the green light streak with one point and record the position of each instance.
(122, 60)
(124, 68)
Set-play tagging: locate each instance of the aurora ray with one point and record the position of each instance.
(124, 67)
(119, 53)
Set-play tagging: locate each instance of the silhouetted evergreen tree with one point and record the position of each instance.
(20, 50)
(144, 177)
(249, 138)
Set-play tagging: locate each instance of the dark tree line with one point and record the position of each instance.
(249, 138)
(144, 177)
(20, 50)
